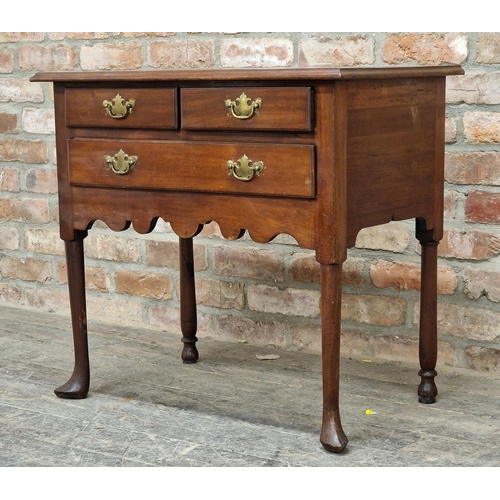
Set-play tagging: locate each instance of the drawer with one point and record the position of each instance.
(126, 108)
(274, 170)
(247, 108)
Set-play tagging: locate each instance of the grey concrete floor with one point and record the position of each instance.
(147, 409)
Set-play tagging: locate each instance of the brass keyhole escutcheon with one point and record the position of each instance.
(244, 169)
(241, 109)
(121, 162)
(117, 108)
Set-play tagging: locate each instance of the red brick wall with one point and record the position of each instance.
(262, 293)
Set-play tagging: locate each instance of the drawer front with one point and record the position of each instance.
(242, 108)
(122, 108)
(260, 169)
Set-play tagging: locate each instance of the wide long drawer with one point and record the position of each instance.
(261, 169)
(122, 107)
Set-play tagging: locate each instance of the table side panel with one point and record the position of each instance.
(391, 152)
(65, 194)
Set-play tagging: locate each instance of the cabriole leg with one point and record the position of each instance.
(188, 301)
(332, 435)
(77, 387)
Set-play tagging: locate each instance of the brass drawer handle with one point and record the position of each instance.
(240, 109)
(121, 162)
(244, 169)
(117, 107)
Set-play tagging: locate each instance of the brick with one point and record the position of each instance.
(221, 294)
(346, 50)
(481, 127)
(473, 88)
(473, 167)
(38, 121)
(448, 354)
(15, 36)
(232, 327)
(96, 278)
(121, 249)
(248, 263)
(95, 35)
(406, 276)
(450, 204)
(256, 53)
(374, 309)
(306, 338)
(488, 48)
(9, 294)
(168, 319)
(144, 284)
(483, 207)
(99, 308)
(48, 299)
(305, 268)
(393, 237)
(285, 239)
(396, 348)
(478, 283)
(138, 34)
(41, 181)
(474, 245)
(9, 238)
(211, 230)
(27, 269)
(425, 48)
(102, 308)
(472, 323)
(353, 272)
(24, 209)
(162, 227)
(181, 54)
(166, 254)
(47, 57)
(111, 56)
(6, 60)
(45, 241)
(23, 150)
(8, 123)
(290, 301)
(9, 180)
(450, 130)
(20, 90)
(484, 359)
(354, 343)
(55, 215)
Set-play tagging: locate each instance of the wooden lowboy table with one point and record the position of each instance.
(315, 153)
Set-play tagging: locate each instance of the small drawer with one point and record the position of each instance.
(247, 108)
(122, 108)
(259, 169)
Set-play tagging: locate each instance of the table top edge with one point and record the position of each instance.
(256, 74)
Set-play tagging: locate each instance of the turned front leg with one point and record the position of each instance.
(77, 387)
(188, 301)
(332, 435)
(427, 390)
